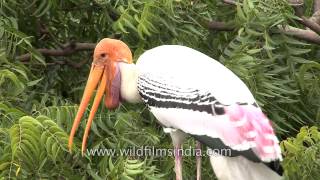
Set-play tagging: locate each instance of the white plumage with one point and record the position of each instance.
(240, 168)
(187, 68)
(172, 79)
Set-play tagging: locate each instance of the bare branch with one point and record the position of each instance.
(68, 49)
(220, 26)
(316, 17)
(297, 6)
(310, 35)
(316, 5)
(64, 62)
(231, 2)
(306, 35)
(296, 2)
(310, 24)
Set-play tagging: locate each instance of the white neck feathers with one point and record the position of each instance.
(129, 83)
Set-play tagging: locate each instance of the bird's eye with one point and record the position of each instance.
(103, 55)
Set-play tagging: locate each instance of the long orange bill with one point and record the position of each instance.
(93, 80)
(94, 108)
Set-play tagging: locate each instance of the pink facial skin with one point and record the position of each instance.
(115, 89)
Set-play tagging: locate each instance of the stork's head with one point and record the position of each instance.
(104, 69)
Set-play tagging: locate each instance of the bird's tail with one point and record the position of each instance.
(240, 168)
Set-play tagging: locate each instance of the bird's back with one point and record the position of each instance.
(187, 68)
(189, 91)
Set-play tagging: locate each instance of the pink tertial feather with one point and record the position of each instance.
(255, 129)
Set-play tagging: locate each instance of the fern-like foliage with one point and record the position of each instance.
(302, 154)
(34, 145)
(270, 63)
(37, 147)
(13, 40)
(38, 97)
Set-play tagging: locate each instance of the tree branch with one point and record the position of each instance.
(231, 2)
(220, 26)
(68, 49)
(297, 6)
(307, 35)
(68, 62)
(316, 17)
(310, 24)
(316, 5)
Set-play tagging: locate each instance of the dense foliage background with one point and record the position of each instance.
(45, 53)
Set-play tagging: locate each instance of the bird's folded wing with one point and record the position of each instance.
(240, 126)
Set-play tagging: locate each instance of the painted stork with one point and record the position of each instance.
(190, 94)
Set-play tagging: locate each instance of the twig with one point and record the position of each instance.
(296, 2)
(68, 49)
(316, 17)
(297, 6)
(77, 65)
(70, 63)
(220, 26)
(307, 35)
(231, 2)
(316, 5)
(310, 24)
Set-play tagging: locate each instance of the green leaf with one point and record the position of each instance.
(254, 51)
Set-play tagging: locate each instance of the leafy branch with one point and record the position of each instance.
(311, 35)
(66, 50)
